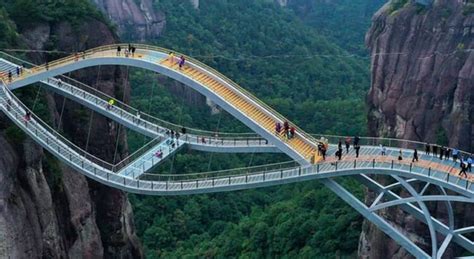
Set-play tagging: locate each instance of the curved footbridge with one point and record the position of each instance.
(414, 178)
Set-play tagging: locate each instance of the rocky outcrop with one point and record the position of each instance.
(423, 73)
(47, 209)
(421, 89)
(135, 20)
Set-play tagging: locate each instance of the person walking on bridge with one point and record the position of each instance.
(10, 76)
(455, 155)
(17, 71)
(277, 128)
(469, 164)
(441, 152)
(415, 156)
(119, 49)
(181, 62)
(447, 153)
(348, 144)
(286, 128)
(463, 169)
(292, 132)
(427, 148)
(400, 155)
(435, 150)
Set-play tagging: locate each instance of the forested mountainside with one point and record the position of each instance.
(285, 62)
(424, 92)
(46, 209)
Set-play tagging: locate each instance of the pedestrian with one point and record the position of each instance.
(129, 47)
(357, 149)
(339, 145)
(292, 132)
(76, 56)
(126, 53)
(183, 130)
(21, 69)
(323, 152)
(447, 153)
(415, 156)
(133, 51)
(172, 134)
(339, 154)
(60, 83)
(27, 118)
(320, 147)
(83, 55)
(181, 62)
(356, 141)
(47, 65)
(400, 155)
(427, 148)
(463, 169)
(382, 150)
(17, 71)
(10, 76)
(441, 152)
(435, 149)
(469, 164)
(348, 144)
(203, 140)
(118, 50)
(455, 155)
(110, 103)
(277, 128)
(286, 128)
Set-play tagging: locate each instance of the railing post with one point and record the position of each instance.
(264, 176)
(166, 185)
(392, 164)
(447, 177)
(317, 168)
(373, 163)
(212, 182)
(181, 185)
(467, 183)
(429, 172)
(355, 163)
(229, 180)
(138, 184)
(246, 178)
(95, 171)
(82, 163)
(197, 184)
(124, 183)
(411, 165)
(299, 171)
(107, 174)
(336, 166)
(152, 185)
(281, 174)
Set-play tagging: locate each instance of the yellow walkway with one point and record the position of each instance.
(249, 109)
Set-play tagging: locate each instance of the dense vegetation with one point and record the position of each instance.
(289, 65)
(343, 22)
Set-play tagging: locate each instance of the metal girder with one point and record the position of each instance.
(418, 214)
(380, 222)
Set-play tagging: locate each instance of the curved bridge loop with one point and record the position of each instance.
(430, 170)
(221, 90)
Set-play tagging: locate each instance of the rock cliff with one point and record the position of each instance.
(46, 209)
(423, 73)
(422, 89)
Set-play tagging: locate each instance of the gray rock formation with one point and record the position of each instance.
(422, 89)
(46, 209)
(135, 20)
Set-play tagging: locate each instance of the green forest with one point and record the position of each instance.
(300, 70)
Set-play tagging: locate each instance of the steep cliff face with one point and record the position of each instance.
(136, 20)
(423, 73)
(47, 209)
(422, 89)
